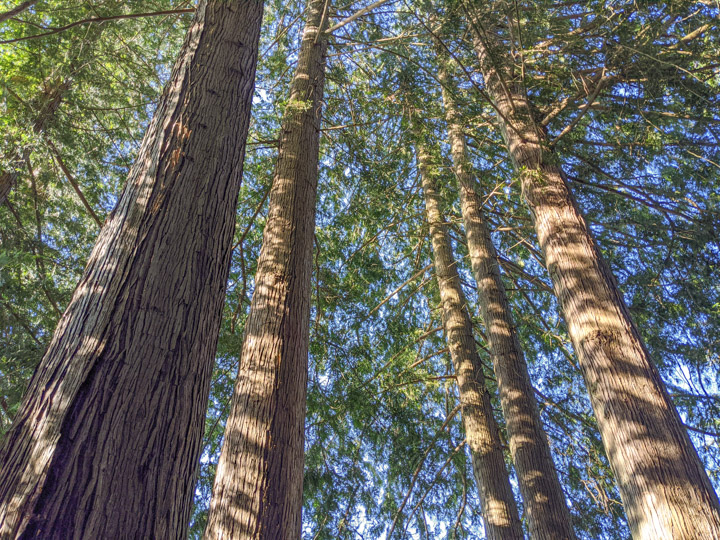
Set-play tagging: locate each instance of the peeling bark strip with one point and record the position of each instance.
(258, 486)
(664, 487)
(546, 511)
(106, 442)
(498, 507)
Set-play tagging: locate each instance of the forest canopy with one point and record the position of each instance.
(368, 142)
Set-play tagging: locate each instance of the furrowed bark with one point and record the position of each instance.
(106, 442)
(663, 485)
(258, 487)
(497, 502)
(545, 507)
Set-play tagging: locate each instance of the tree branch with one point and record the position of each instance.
(18, 9)
(98, 20)
(73, 182)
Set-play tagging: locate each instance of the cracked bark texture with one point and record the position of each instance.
(497, 503)
(258, 486)
(107, 439)
(545, 504)
(664, 487)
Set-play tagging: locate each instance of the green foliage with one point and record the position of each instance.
(382, 437)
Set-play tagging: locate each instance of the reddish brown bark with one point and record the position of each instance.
(497, 502)
(106, 442)
(258, 487)
(545, 507)
(664, 487)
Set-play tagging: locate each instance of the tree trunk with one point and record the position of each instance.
(664, 487)
(497, 502)
(107, 439)
(545, 507)
(7, 183)
(258, 485)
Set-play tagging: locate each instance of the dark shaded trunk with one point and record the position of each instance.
(7, 183)
(106, 442)
(258, 486)
(545, 507)
(664, 487)
(497, 502)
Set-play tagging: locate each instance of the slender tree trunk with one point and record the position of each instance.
(106, 442)
(258, 486)
(545, 507)
(664, 487)
(497, 502)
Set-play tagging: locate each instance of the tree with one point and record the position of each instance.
(107, 438)
(384, 442)
(664, 486)
(499, 510)
(114, 75)
(258, 485)
(546, 509)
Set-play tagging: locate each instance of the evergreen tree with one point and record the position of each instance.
(258, 485)
(106, 441)
(664, 486)
(500, 513)
(625, 96)
(547, 513)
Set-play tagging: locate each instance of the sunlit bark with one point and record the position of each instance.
(497, 503)
(664, 487)
(258, 486)
(545, 508)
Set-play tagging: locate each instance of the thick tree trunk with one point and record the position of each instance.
(497, 502)
(664, 487)
(106, 442)
(258, 486)
(545, 507)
